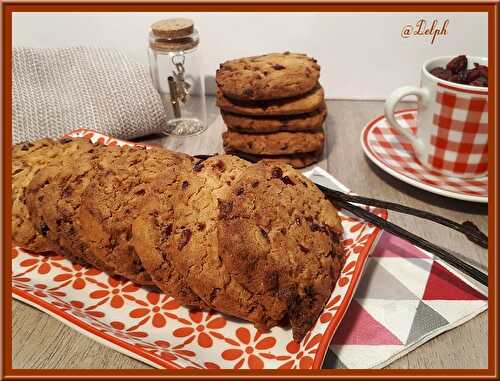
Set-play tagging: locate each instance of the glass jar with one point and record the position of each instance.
(175, 65)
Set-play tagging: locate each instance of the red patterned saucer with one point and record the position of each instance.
(391, 152)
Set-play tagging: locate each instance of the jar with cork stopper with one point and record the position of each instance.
(175, 65)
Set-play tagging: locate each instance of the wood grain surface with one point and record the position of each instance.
(40, 341)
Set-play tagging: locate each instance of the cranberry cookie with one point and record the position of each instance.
(266, 124)
(27, 160)
(279, 143)
(306, 103)
(280, 238)
(270, 76)
(112, 201)
(299, 160)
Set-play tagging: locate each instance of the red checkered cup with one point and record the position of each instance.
(452, 122)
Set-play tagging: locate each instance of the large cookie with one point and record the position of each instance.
(280, 238)
(270, 76)
(151, 231)
(53, 199)
(279, 143)
(112, 201)
(27, 159)
(299, 160)
(306, 103)
(264, 124)
(190, 238)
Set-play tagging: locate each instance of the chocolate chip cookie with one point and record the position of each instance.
(279, 143)
(306, 103)
(27, 159)
(151, 233)
(191, 238)
(53, 199)
(112, 201)
(267, 124)
(280, 238)
(269, 76)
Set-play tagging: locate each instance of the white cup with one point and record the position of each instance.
(452, 122)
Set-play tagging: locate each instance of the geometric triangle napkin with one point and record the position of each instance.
(405, 298)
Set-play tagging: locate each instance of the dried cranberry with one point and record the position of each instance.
(225, 208)
(166, 231)
(220, 165)
(441, 73)
(304, 249)
(277, 173)
(457, 64)
(248, 92)
(198, 166)
(314, 227)
(44, 229)
(287, 180)
(184, 239)
(460, 77)
(472, 75)
(483, 69)
(481, 82)
(264, 233)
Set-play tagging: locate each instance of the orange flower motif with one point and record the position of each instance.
(355, 245)
(206, 365)
(330, 308)
(205, 324)
(78, 309)
(251, 350)
(162, 349)
(77, 276)
(42, 263)
(348, 269)
(116, 291)
(304, 355)
(156, 310)
(118, 329)
(19, 279)
(40, 290)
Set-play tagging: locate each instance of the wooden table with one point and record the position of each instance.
(40, 341)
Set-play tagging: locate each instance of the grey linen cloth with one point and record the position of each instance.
(56, 91)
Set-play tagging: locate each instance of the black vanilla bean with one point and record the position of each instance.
(389, 227)
(469, 229)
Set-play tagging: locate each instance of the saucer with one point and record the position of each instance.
(392, 153)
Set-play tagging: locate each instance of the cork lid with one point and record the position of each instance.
(171, 28)
(173, 35)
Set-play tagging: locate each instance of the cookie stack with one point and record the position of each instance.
(273, 107)
(206, 232)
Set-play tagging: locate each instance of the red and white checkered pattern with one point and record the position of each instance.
(395, 152)
(459, 141)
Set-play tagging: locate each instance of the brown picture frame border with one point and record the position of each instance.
(490, 7)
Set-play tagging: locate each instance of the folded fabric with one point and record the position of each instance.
(56, 91)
